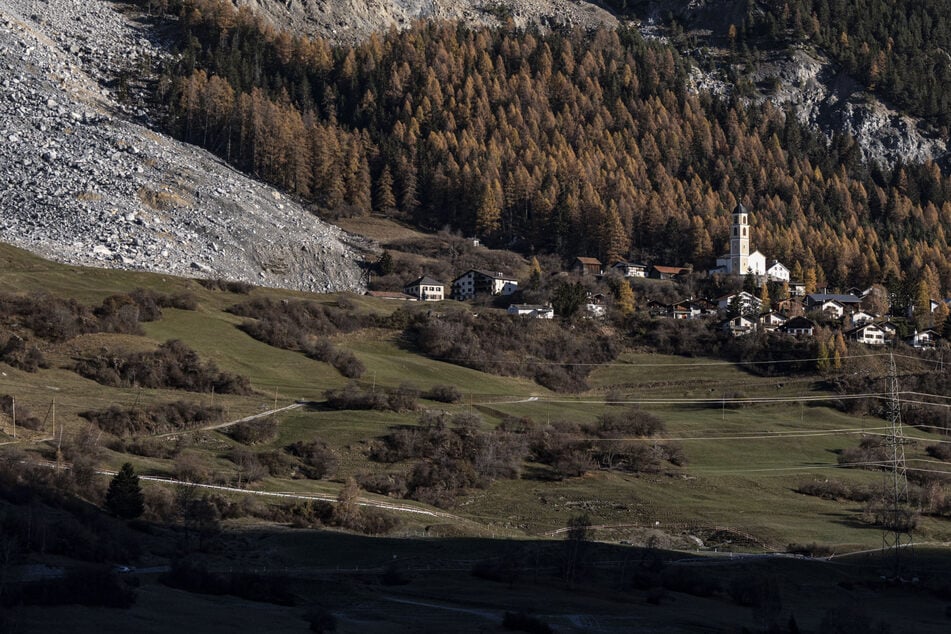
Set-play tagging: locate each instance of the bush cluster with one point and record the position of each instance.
(18, 353)
(546, 351)
(153, 419)
(317, 457)
(252, 432)
(344, 361)
(230, 286)
(172, 366)
(614, 442)
(352, 396)
(56, 319)
(453, 454)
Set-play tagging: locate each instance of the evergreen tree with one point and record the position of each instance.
(124, 497)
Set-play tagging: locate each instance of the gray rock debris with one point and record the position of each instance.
(81, 183)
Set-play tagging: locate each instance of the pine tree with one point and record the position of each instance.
(124, 497)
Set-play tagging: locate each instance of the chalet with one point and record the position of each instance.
(744, 301)
(771, 321)
(691, 309)
(869, 334)
(595, 306)
(797, 289)
(830, 307)
(777, 272)
(862, 317)
(924, 339)
(659, 272)
(426, 289)
(656, 308)
(586, 266)
(595, 309)
(739, 326)
(815, 301)
(474, 282)
(630, 269)
(890, 329)
(799, 327)
(535, 311)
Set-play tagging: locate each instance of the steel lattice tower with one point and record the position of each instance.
(897, 514)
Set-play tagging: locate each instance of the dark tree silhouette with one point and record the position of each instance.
(124, 497)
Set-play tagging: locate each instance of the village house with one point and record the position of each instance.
(889, 328)
(586, 266)
(691, 309)
(924, 339)
(656, 308)
(869, 334)
(771, 321)
(797, 288)
(831, 308)
(777, 272)
(426, 289)
(744, 302)
(630, 269)
(862, 317)
(820, 302)
(799, 327)
(474, 282)
(535, 311)
(739, 326)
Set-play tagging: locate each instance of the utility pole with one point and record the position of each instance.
(897, 515)
(13, 414)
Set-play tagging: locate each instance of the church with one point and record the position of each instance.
(739, 261)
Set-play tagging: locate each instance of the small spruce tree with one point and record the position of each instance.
(124, 497)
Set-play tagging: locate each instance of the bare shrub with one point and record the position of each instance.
(940, 451)
(318, 458)
(153, 419)
(230, 286)
(389, 484)
(443, 394)
(172, 366)
(252, 432)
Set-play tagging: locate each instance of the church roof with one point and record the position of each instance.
(740, 209)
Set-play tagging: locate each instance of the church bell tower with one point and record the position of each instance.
(740, 241)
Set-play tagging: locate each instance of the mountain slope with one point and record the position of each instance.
(84, 184)
(354, 20)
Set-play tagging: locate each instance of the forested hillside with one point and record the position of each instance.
(902, 50)
(571, 142)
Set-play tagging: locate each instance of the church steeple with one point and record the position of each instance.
(740, 241)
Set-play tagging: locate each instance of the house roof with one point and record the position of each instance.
(587, 260)
(495, 275)
(798, 323)
(625, 263)
(818, 298)
(778, 263)
(530, 307)
(673, 270)
(425, 281)
(863, 327)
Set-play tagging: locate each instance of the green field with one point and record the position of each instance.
(749, 442)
